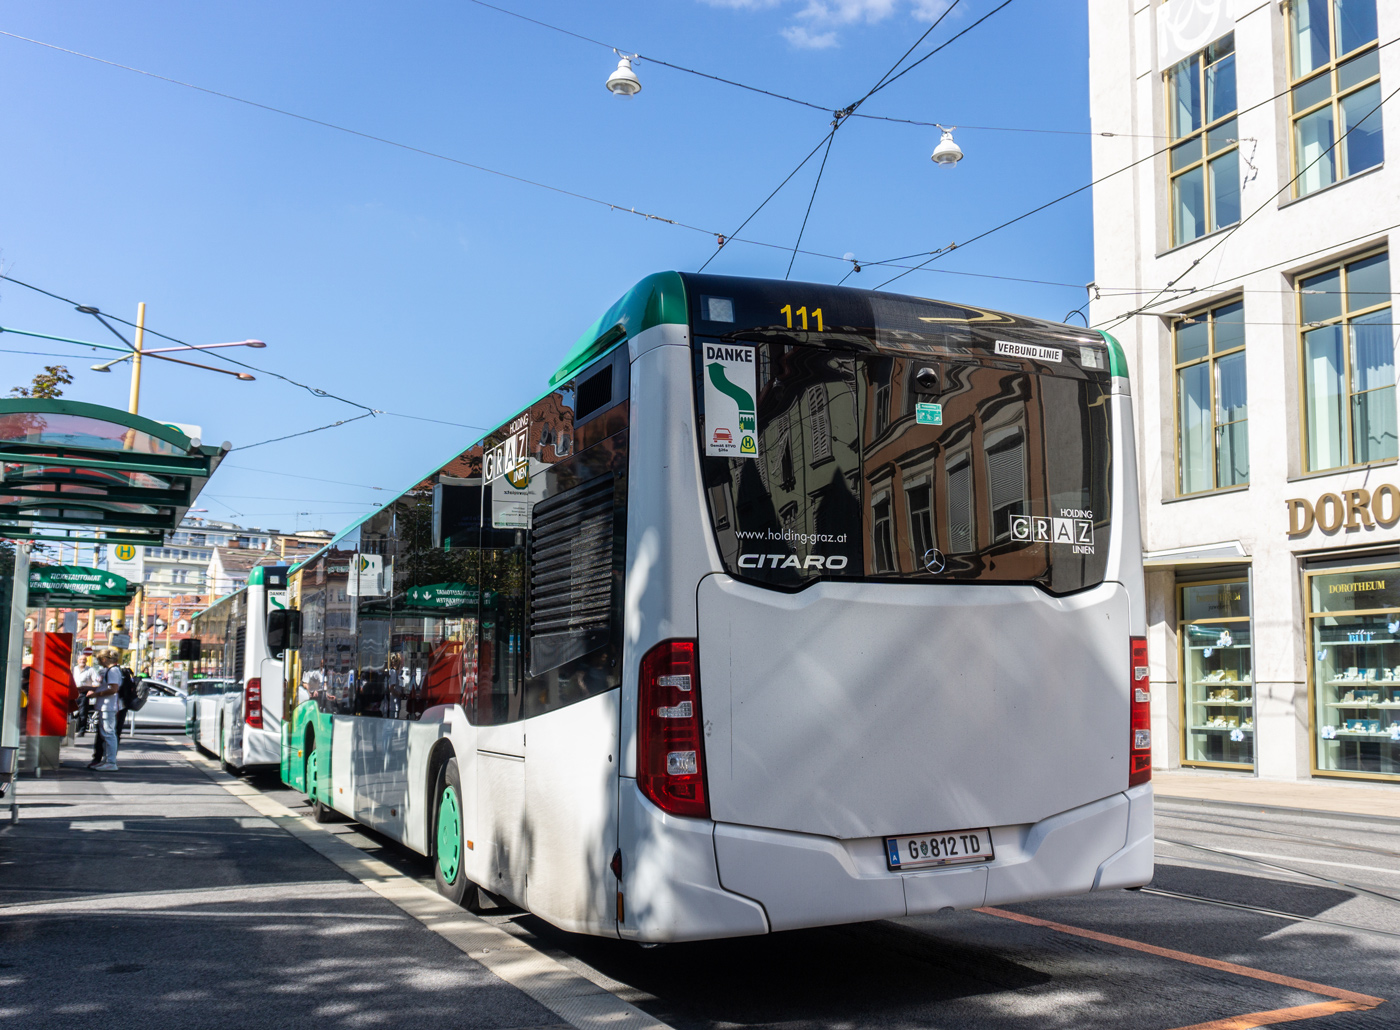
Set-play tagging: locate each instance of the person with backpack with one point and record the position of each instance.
(108, 700)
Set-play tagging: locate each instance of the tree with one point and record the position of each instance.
(47, 385)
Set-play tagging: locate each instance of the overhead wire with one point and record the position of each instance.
(613, 206)
(1225, 236)
(935, 254)
(304, 432)
(839, 118)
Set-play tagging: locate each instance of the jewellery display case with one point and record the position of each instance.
(1217, 675)
(1354, 638)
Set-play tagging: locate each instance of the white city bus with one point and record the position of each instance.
(788, 605)
(234, 707)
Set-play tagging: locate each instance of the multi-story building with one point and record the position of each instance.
(1242, 258)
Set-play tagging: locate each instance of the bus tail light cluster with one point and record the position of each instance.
(1140, 730)
(252, 703)
(670, 742)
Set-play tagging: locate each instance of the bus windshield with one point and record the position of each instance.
(905, 446)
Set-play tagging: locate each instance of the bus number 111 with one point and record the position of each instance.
(786, 309)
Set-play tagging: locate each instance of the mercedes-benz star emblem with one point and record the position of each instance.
(933, 560)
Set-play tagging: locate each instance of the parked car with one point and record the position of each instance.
(205, 718)
(164, 708)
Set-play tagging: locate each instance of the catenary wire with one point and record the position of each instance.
(1224, 284)
(1242, 222)
(298, 475)
(934, 255)
(892, 80)
(653, 60)
(810, 201)
(838, 120)
(624, 208)
(304, 432)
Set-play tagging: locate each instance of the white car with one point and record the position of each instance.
(164, 708)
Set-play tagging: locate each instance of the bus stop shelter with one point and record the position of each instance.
(78, 473)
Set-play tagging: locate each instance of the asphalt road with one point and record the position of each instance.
(1251, 912)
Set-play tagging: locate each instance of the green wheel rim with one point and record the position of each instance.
(311, 784)
(449, 835)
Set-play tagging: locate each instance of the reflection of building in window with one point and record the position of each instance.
(789, 512)
(882, 371)
(819, 422)
(882, 534)
(1205, 166)
(1212, 410)
(1005, 451)
(920, 501)
(962, 536)
(1334, 68)
(1348, 364)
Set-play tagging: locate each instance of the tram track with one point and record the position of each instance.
(1393, 899)
(1258, 834)
(1272, 913)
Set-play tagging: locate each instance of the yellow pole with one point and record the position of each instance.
(136, 359)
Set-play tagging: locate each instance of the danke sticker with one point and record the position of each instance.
(731, 417)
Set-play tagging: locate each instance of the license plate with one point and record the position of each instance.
(933, 849)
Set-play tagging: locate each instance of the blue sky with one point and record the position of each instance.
(417, 286)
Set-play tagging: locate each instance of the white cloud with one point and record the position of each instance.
(815, 22)
(846, 12)
(804, 40)
(930, 10)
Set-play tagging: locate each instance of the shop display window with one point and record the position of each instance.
(1354, 635)
(1217, 675)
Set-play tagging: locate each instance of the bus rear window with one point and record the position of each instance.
(906, 467)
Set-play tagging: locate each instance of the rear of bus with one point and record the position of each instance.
(885, 594)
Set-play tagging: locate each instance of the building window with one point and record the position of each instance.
(1212, 400)
(920, 500)
(1335, 69)
(1217, 685)
(1348, 364)
(883, 535)
(1354, 656)
(1205, 166)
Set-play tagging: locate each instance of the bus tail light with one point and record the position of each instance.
(670, 745)
(1140, 729)
(252, 703)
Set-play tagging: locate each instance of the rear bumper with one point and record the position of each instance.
(691, 879)
(803, 880)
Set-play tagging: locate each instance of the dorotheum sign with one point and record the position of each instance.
(1353, 509)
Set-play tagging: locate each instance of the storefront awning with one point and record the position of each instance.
(73, 471)
(1229, 552)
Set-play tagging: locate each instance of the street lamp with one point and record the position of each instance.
(623, 81)
(947, 153)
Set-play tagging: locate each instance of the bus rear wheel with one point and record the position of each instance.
(448, 845)
(320, 811)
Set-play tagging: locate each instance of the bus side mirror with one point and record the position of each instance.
(283, 630)
(188, 650)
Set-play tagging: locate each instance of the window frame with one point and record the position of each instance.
(1336, 95)
(1344, 319)
(1210, 360)
(1199, 137)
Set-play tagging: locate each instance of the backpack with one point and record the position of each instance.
(132, 692)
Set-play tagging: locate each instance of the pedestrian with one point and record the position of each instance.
(88, 680)
(108, 711)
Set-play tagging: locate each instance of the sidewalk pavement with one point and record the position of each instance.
(1377, 800)
(151, 897)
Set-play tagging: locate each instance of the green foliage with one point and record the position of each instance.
(47, 385)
